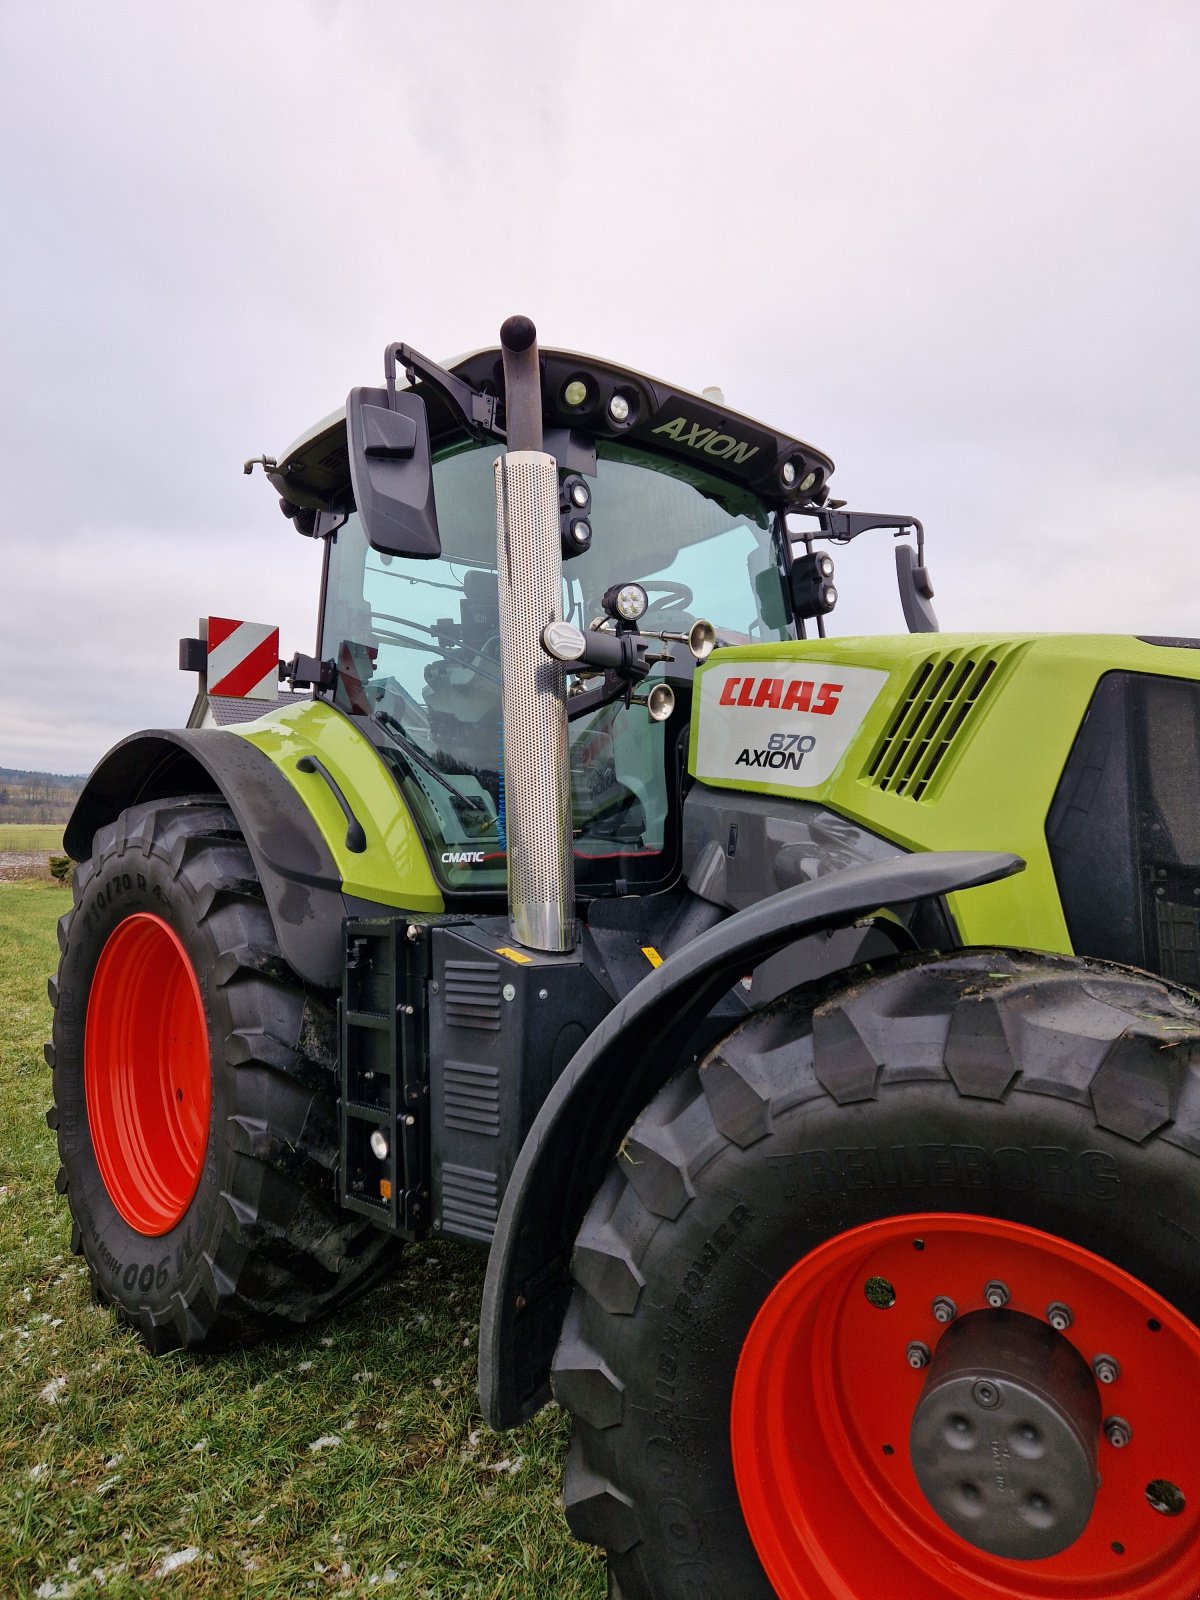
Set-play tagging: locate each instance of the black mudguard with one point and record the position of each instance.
(300, 880)
(622, 1065)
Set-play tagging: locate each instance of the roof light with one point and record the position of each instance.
(580, 494)
(379, 1145)
(789, 473)
(807, 482)
(618, 408)
(576, 393)
(581, 533)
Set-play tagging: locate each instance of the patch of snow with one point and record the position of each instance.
(53, 1391)
(39, 1471)
(305, 1366)
(327, 1441)
(199, 1447)
(177, 1558)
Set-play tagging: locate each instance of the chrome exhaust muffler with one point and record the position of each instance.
(537, 771)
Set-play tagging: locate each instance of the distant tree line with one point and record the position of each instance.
(37, 796)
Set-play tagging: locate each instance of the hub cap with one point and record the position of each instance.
(146, 1074)
(1006, 1433)
(880, 1443)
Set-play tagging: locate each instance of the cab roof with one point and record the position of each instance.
(578, 395)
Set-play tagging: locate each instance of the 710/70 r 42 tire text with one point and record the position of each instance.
(195, 1092)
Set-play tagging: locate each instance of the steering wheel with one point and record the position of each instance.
(675, 596)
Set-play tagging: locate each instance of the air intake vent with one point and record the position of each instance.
(473, 995)
(470, 1203)
(471, 1097)
(939, 705)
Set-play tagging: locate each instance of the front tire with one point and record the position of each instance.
(769, 1246)
(195, 1092)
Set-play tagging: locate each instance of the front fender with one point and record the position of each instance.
(299, 877)
(616, 1072)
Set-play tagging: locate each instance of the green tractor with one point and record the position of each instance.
(806, 1027)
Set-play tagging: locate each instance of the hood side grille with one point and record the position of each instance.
(938, 705)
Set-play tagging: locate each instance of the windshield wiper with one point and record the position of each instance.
(471, 802)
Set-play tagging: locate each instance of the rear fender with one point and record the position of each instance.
(300, 880)
(641, 1043)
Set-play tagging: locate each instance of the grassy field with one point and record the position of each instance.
(30, 836)
(348, 1461)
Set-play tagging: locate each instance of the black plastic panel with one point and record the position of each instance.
(503, 1023)
(1124, 828)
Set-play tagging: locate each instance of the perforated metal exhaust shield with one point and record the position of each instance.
(537, 774)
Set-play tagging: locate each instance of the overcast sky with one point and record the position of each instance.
(955, 243)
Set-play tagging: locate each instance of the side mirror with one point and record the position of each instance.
(916, 591)
(391, 472)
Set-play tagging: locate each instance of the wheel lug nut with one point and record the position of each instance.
(918, 1354)
(1117, 1431)
(1106, 1368)
(944, 1309)
(996, 1294)
(986, 1394)
(1059, 1316)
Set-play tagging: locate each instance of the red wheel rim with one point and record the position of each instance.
(824, 1397)
(146, 1074)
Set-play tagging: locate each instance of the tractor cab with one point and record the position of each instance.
(662, 490)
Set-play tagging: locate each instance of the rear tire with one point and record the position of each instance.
(976, 1116)
(195, 1093)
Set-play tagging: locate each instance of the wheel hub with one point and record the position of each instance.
(1005, 1436)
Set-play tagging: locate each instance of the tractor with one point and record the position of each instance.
(805, 1026)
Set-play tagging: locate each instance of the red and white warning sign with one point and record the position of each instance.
(243, 659)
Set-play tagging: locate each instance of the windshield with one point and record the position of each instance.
(418, 653)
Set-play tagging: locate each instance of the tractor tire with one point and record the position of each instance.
(792, 1228)
(195, 1081)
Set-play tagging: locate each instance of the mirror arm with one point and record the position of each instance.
(842, 526)
(478, 411)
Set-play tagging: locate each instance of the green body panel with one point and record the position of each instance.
(394, 869)
(994, 778)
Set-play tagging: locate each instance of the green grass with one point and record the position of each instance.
(31, 836)
(112, 1462)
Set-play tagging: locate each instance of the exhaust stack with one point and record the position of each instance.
(537, 773)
